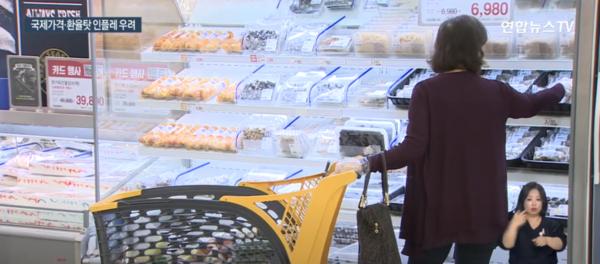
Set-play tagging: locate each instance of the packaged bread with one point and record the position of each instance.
(228, 94)
(539, 46)
(496, 49)
(411, 44)
(373, 43)
(335, 43)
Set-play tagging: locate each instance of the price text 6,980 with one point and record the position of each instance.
(490, 9)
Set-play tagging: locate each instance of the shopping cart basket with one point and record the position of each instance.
(223, 224)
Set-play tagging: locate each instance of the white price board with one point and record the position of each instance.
(434, 12)
(69, 85)
(127, 80)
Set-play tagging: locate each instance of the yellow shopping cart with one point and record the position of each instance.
(288, 221)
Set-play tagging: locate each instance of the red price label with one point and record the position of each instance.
(490, 9)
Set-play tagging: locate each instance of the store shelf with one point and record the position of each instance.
(237, 157)
(272, 109)
(541, 176)
(46, 119)
(190, 57)
(58, 133)
(40, 233)
(542, 121)
(47, 125)
(545, 121)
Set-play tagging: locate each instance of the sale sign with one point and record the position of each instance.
(434, 12)
(128, 79)
(69, 84)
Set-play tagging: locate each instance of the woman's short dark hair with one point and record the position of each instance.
(525, 191)
(459, 45)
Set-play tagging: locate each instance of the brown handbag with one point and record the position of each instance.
(376, 237)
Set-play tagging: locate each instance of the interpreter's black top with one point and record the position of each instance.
(526, 252)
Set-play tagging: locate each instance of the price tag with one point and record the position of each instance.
(127, 80)
(69, 85)
(271, 45)
(184, 58)
(184, 107)
(376, 62)
(550, 122)
(434, 12)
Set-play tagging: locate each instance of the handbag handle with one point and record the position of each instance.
(384, 184)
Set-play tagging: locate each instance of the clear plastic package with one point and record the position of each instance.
(209, 174)
(327, 142)
(372, 89)
(258, 88)
(291, 143)
(199, 40)
(306, 6)
(567, 45)
(336, 42)
(390, 126)
(517, 140)
(538, 46)
(262, 39)
(333, 90)
(257, 134)
(295, 89)
(372, 43)
(555, 146)
(412, 43)
(54, 161)
(197, 137)
(209, 137)
(302, 39)
(499, 44)
(360, 141)
(339, 4)
(520, 80)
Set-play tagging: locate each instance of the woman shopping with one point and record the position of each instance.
(455, 150)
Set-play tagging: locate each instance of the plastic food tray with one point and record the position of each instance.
(517, 162)
(529, 162)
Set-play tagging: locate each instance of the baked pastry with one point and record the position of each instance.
(372, 43)
(227, 95)
(496, 49)
(410, 44)
(539, 49)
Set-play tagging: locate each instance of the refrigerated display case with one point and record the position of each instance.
(218, 92)
(338, 73)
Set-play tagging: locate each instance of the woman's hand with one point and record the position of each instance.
(518, 219)
(356, 164)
